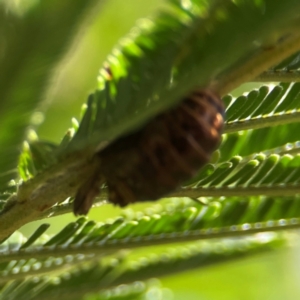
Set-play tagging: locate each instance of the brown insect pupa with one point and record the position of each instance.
(155, 160)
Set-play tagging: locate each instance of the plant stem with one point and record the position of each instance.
(279, 190)
(278, 76)
(40, 193)
(275, 190)
(257, 64)
(262, 122)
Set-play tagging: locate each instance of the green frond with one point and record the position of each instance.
(26, 62)
(73, 280)
(259, 116)
(264, 107)
(263, 172)
(165, 58)
(250, 142)
(175, 221)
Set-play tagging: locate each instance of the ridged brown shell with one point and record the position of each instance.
(155, 160)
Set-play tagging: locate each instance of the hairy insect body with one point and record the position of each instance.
(154, 161)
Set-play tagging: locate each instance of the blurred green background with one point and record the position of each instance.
(268, 276)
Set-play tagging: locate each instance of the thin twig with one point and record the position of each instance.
(278, 76)
(274, 190)
(262, 122)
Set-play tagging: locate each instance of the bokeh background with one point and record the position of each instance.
(269, 276)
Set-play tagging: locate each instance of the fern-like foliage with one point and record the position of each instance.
(154, 67)
(26, 64)
(93, 268)
(235, 206)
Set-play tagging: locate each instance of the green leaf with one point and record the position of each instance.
(272, 175)
(156, 66)
(250, 142)
(264, 108)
